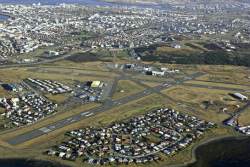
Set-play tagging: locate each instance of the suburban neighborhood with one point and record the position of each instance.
(138, 140)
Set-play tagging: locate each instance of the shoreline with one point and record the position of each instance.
(191, 161)
(205, 142)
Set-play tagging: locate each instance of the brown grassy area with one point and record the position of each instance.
(126, 88)
(75, 71)
(30, 154)
(59, 98)
(170, 50)
(17, 75)
(216, 73)
(149, 78)
(204, 103)
(231, 74)
(194, 45)
(227, 74)
(2, 110)
(151, 84)
(244, 118)
(4, 93)
(223, 85)
(236, 78)
(95, 66)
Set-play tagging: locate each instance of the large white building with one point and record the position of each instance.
(240, 96)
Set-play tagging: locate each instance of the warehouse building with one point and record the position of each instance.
(96, 84)
(240, 96)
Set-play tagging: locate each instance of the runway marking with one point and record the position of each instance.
(45, 130)
(85, 113)
(51, 127)
(89, 115)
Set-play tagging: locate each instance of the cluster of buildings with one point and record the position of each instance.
(150, 70)
(138, 140)
(244, 129)
(147, 27)
(122, 30)
(217, 7)
(89, 91)
(6, 49)
(49, 86)
(27, 102)
(27, 109)
(32, 27)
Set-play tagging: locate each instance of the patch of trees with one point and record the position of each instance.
(210, 58)
(83, 57)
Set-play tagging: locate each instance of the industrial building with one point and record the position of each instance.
(240, 96)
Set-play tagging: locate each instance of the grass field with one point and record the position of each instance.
(194, 45)
(149, 78)
(151, 84)
(4, 93)
(184, 50)
(95, 66)
(17, 75)
(216, 73)
(232, 78)
(244, 118)
(59, 98)
(204, 103)
(126, 88)
(226, 74)
(222, 85)
(72, 71)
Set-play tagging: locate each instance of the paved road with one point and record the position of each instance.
(109, 104)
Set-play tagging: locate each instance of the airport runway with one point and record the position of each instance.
(214, 87)
(109, 104)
